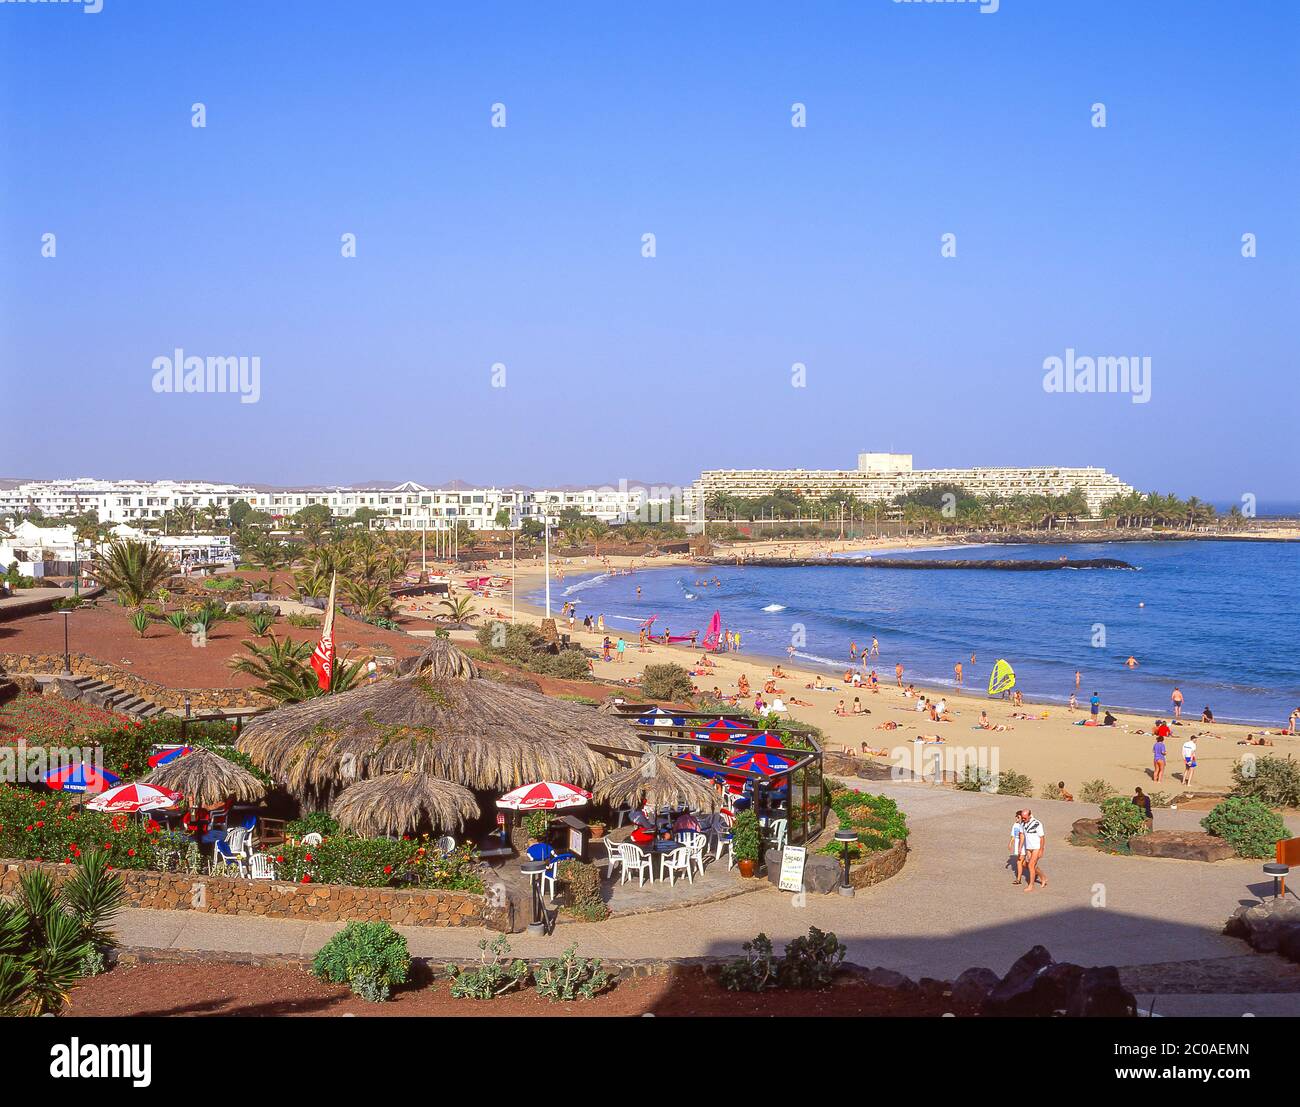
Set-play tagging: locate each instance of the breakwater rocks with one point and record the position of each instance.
(1005, 564)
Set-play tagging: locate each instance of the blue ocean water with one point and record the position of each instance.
(1220, 619)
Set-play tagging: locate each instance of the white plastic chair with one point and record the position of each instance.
(613, 858)
(260, 867)
(312, 839)
(778, 828)
(674, 862)
(695, 843)
(635, 861)
(232, 851)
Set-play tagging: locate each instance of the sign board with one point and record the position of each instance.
(501, 820)
(575, 842)
(792, 858)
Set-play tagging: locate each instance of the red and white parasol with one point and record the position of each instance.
(134, 797)
(544, 796)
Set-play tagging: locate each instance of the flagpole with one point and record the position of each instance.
(546, 527)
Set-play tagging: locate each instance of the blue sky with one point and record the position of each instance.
(775, 245)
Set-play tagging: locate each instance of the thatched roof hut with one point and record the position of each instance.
(439, 716)
(207, 779)
(657, 781)
(395, 803)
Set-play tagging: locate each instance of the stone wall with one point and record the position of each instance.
(201, 699)
(277, 899)
(875, 867)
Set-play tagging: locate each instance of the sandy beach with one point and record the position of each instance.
(1047, 747)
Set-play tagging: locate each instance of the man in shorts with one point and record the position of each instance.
(1017, 858)
(1035, 842)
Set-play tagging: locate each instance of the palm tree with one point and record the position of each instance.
(281, 667)
(133, 569)
(460, 609)
(371, 597)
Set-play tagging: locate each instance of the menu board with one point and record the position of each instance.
(792, 858)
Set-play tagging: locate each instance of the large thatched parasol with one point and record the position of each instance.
(659, 782)
(397, 802)
(439, 717)
(207, 779)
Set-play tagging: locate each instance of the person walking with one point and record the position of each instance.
(898, 673)
(1189, 759)
(957, 669)
(1177, 699)
(1158, 755)
(1035, 843)
(621, 647)
(1017, 859)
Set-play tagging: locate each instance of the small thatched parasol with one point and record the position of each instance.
(207, 779)
(397, 802)
(657, 781)
(439, 716)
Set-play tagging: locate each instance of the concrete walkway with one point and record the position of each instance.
(953, 906)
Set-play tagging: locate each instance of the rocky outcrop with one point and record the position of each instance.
(1185, 845)
(1036, 985)
(1272, 926)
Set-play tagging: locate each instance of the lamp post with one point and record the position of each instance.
(67, 659)
(846, 838)
(533, 869)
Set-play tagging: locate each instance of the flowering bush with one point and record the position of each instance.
(876, 819)
(52, 826)
(39, 720)
(378, 863)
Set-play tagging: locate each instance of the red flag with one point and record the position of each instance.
(322, 658)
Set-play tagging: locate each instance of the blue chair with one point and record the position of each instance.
(540, 851)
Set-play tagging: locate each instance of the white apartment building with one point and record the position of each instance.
(409, 506)
(880, 477)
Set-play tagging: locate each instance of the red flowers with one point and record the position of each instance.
(306, 878)
(388, 869)
(306, 856)
(130, 853)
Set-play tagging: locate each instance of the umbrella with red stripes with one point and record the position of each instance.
(544, 796)
(763, 738)
(134, 797)
(80, 777)
(759, 761)
(165, 755)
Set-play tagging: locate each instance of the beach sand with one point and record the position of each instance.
(1047, 749)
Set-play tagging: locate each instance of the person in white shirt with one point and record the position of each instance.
(1189, 760)
(1035, 840)
(1018, 847)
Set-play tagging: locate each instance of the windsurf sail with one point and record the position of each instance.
(1002, 678)
(714, 632)
(646, 624)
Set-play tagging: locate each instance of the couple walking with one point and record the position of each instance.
(1027, 841)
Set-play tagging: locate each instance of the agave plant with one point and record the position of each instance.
(140, 620)
(180, 621)
(134, 570)
(260, 623)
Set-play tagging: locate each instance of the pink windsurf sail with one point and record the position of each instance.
(714, 632)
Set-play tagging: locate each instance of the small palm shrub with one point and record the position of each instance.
(495, 975)
(569, 977)
(370, 957)
(1248, 825)
(140, 620)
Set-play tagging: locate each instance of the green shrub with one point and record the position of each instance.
(299, 620)
(1011, 783)
(53, 826)
(314, 822)
(667, 682)
(223, 584)
(1096, 791)
(1271, 779)
(1248, 825)
(538, 825)
(569, 977)
(370, 957)
(567, 665)
(261, 623)
(1121, 819)
(140, 620)
(495, 974)
(1050, 792)
(745, 838)
(583, 884)
(378, 863)
(877, 819)
(809, 962)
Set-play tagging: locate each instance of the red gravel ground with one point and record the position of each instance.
(223, 989)
(105, 633)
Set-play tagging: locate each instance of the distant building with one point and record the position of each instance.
(880, 477)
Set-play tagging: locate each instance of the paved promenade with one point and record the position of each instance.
(952, 906)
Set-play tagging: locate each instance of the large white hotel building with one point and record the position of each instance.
(880, 477)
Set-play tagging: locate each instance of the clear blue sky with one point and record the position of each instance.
(776, 245)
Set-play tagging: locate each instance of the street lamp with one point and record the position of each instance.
(846, 838)
(67, 660)
(533, 869)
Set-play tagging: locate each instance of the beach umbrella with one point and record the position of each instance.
(656, 781)
(394, 803)
(207, 779)
(660, 717)
(80, 777)
(544, 796)
(134, 797)
(764, 738)
(165, 755)
(694, 763)
(759, 761)
(723, 730)
(439, 716)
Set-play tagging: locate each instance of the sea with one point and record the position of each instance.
(1218, 619)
